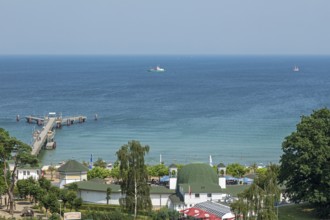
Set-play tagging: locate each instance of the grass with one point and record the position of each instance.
(296, 212)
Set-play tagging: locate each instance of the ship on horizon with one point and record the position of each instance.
(295, 69)
(156, 69)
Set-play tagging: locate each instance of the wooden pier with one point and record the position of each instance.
(42, 138)
(45, 137)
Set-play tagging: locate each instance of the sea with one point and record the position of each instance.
(236, 109)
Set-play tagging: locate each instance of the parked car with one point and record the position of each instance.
(27, 212)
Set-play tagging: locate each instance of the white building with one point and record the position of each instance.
(195, 183)
(72, 171)
(28, 171)
(95, 191)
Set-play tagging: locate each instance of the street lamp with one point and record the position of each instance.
(60, 201)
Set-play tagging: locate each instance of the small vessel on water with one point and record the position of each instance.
(157, 69)
(295, 69)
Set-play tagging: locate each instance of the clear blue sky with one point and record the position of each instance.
(165, 27)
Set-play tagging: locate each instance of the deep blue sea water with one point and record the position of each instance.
(235, 108)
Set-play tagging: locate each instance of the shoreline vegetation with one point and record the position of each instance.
(302, 176)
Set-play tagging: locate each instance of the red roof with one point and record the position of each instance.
(199, 213)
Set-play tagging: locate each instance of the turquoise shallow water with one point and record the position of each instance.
(237, 109)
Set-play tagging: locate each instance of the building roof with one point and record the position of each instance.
(221, 165)
(197, 173)
(198, 178)
(175, 199)
(213, 208)
(72, 166)
(29, 167)
(233, 190)
(173, 166)
(97, 185)
(160, 190)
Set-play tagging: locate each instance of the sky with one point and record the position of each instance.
(147, 27)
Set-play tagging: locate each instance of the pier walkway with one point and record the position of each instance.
(45, 135)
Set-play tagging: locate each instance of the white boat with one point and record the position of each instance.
(295, 69)
(157, 69)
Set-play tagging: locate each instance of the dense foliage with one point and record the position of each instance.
(236, 169)
(305, 163)
(98, 172)
(259, 199)
(134, 177)
(100, 163)
(158, 170)
(19, 153)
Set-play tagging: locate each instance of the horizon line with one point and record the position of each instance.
(192, 55)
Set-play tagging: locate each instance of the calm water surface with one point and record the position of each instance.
(237, 109)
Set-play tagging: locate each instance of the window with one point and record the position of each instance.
(28, 173)
(209, 195)
(197, 195)
(24, 173)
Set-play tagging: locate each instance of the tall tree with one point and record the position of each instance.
(134, 176)
(108, 197)
(305, 163)
(259, 199)
(20, 154)
(100, 163)
(236, 169)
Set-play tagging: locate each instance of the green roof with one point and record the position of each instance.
(221, 165)
(28, 166)
(72, 166)
(96, 185)
(233, 190)
(91, 185)
(160, 190)
(197, 173)
(173, 166)
(200, 178)
(176, 199)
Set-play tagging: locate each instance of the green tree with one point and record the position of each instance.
(236, 169)
(23, 188)
(71, 196)
(115, 172)
(108, 197)
(20, 154)
(100, 163)
(64, 196)
(44, 183)
(134, 177)
(37, 192)
(98, 172)
(259, 199)
(73, 187)
(305, 163)
(158, 170)
(77, 202)
(253, 167)
(50, 202)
